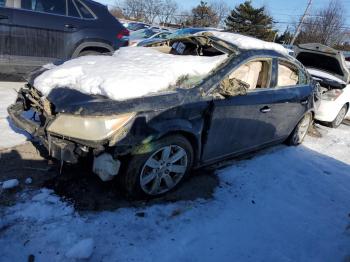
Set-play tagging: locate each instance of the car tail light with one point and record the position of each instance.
(124, 32)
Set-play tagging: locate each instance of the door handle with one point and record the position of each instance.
(3, 17)
(304, 102)
(69, 26)
(265, 109)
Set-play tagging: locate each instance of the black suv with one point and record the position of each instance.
(36, 32)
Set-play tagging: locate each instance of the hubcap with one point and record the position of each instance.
(340, 116)
(163, 170)
(302, 129)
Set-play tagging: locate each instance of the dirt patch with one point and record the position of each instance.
(79, 186)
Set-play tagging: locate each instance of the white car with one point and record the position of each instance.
(329, 68)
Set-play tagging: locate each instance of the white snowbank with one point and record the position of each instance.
(9, 184)
(82, 250)
(322, 74)
(129, 73)
(10, 136)
(247, 42)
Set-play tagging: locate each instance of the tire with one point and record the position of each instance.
(340, 117)
(300, 131)
(87, 53)
(147, 175)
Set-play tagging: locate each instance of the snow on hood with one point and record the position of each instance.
(247, 42)
(129, 73)
(322, 74)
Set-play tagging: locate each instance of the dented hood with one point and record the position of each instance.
(323, 58)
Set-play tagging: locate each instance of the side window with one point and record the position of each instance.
(249, 76)
(2, 3)
(256, 74)
(84, 11)
(288, 74)
(47, 6)
(72, 9)
(303, 79)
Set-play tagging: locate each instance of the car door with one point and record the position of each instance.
(246, 122)
(41, 32)
(293, 94)
(5, 24)
(240, 122)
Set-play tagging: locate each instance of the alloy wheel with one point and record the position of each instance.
(303, 127)
(340, 116)
(163, 170)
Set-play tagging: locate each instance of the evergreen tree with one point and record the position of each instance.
(247, 20)
(204, 16)
(285, 38)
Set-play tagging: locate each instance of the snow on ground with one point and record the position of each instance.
(129, 73)
(247, 42)
(10, 136)
(286, 204)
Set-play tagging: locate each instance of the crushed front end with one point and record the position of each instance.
(61, 134)
(34, 113)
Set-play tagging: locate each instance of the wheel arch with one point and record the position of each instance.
(192, 138)
(92, 46)
(191, 130)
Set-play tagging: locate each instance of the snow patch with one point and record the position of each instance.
(82, 250)
(247, 42)
(9, 184)
(11, 136)
(44, 207)
(129, 73)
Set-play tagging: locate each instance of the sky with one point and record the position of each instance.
(282, 11)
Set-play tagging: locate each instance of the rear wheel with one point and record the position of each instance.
(158, 167)
(340, 117)
(300, 131)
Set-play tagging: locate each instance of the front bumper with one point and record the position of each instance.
(58, 148)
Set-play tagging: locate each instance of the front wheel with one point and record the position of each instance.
(340, 117)
(300, 131)
(158, 167)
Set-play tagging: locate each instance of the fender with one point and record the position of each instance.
(91, 44)
(191, 130)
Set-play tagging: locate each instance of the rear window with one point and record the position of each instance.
(47, 6)
(84, 11)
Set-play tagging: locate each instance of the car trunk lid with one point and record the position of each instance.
(323, 58)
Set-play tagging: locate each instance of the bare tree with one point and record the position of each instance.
(152, 10)
(169, 10)
(221, 9)
(326, 26)
(133, 9)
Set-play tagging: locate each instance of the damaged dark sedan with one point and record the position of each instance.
(240, 95)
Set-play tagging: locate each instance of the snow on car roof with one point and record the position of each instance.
(131, 72)
(247, 42)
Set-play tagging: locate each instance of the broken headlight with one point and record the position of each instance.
(89, 128)
(332, 94)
